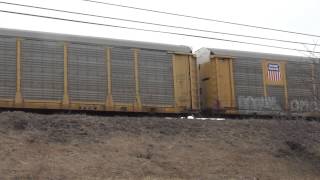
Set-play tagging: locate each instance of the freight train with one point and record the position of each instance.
(66, 72)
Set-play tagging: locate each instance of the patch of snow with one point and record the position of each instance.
(190, 117)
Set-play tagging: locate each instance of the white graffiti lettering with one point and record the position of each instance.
(256, 104)
(303, 106)
(250, 103)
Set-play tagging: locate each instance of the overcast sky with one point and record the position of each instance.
(294, 15)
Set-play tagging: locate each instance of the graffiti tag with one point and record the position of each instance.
(250, 103)
(303, 106)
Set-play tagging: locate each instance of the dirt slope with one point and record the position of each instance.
(34, 146)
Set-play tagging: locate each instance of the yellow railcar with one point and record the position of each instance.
(239, 82)
(55, 71)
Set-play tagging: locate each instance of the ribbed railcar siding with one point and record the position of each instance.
(248, 77)
(123, 80)
(299, 80)
(87, 73)
(42, 70)
(317, 81)
(156, 78)
(7, 67)
(278, 93)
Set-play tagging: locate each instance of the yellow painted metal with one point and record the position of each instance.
(4, 99)
(217, 84)
(225, 83)
(65, 101)
(197, 85)
(269, 82)
(41, 101)
(87, 103)
(208, 84)
(79, 105)
(282, 82)
(233, 95)
(214, 84)
(182, 81)
(18, 98)
(186, 87)
(109, 100)
(190, 80)
(8, 103)
(119, 107)
(136, 76)
(216, 60)
(174, 79)
(194, 85)
(263, 64)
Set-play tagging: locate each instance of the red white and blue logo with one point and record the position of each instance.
(274, 73)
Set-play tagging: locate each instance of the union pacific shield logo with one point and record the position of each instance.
(274, 73)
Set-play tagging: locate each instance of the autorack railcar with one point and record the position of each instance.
(57, 71)
(247, 83)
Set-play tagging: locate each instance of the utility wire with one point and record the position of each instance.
(156, 31)
(202, 18)
(157, 24)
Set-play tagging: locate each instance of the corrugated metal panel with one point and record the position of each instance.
(248, 77)
(249, 88)
(299, 80)
(42, 70)
(302, 96)
(87, 73)
(7, 67)
(317, 81)
(156, 78)
(278, 93)
(123, 80)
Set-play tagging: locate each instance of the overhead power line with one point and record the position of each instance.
(157, 24)
(202, 18)
(156, 31)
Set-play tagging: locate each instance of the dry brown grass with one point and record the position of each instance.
(34, 146)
